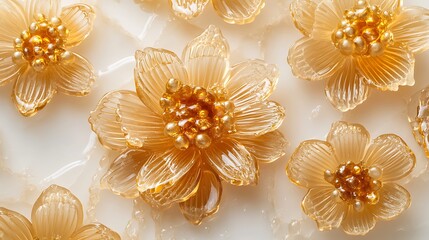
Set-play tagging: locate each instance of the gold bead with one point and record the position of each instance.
(358, 205)
(227, 121)
(33, 27)
(67, 57)
(25, 35)
(203, 141)
(181, 142)
(386, 38)
(36, 40)
(336, 194)
(203, 114)
(372, 198)
(172, 129)
(38, 51)
(329, 176)
(375, 172)
(346, 46)
(375, 49)
(18, 57)
(349, 31)
(375, 185)
(39, 64)
(360, 45)
(55, 21)
(229, 106)
(173, 85)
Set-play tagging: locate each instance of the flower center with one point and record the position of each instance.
(363, 31)
(42, 44)
(355, 184)
(195, 116)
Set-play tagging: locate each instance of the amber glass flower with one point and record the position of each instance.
(420, 121)
(351, 180)
(34, 43)
(356, 45)
(191, 123)
(57, 214)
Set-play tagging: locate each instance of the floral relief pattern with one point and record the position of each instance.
(356, 45)
(34, 40)
(351, 180)
(420, 121)
(193, 122)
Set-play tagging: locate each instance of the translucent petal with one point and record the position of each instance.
(252, 81)
(418, 116)
(14, 226)
(79, 20)
(12, 21)
(388, 71)
(205, 201)
(9, 71)
(33, 90)
(313, 59)
(188, 8)
(303, 12)
(57, 212)
(75, 78)
(308, 163)
(232, 162)
(349, 141)
(259, 119)
(154, 67)
(206, 59)
(358, 223)
(411, 27)
(394, 199)
(347, 88)
(392, 155)
(238, 12)
(95, 231)
(388, 5)
(321, 206)
(165, 169)
(49, 8)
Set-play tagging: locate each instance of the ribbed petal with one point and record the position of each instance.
(188, 8)
(49, 8)
(394, 199)
(95, 231)
(358, 223)
(56, 213)
(303, 12)
(12, 21)
(238, 12)
(388, 5)
(9, 71)
(79, 20)
(15, 226)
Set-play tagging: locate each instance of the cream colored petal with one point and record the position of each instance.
(9, 71)
(347, 88)
(12, 21)
(33, 90)
(349, 141)
(388, 5)
(392, 155)
(358, 223)
(205, 201)
(303, 12)
(321, 206)
(238, 12)
(314, 59)
(232, 162)
(411, 27)
(164, 170)
(188, 9)
(75, 78)
(49, 8)
(56, 213)
(394, 68)
(252, 81)
(307, 165)
(394, 199)
(207, 59)
(14, 226)
(154, 67)
(259, 119)
(95, 231)
(79, 20)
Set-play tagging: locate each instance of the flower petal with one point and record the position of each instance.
(349, 141)
(95, 231)
(347, 88)
(259, 119)
(388, 71)
(392, 155)
(79, 20)
(163, 170)
(411, 27)
(207, 59)
(388, 5)
(33, 91)
(358, 223)
(57, 212)
(49, 8)
(205, 201)
(154, 67)
(188, 9)
(232, 162)
(12, 21)
(394, 199)
(9, 70)
(321, 206)
(303, 12)
(313, 59)
(15, 226)
(252, 81)
(75, 78)
(238, 12)
(308, 163)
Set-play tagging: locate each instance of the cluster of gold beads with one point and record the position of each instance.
(363, 31)
(355, 184)
(43, 43)
(194, 116)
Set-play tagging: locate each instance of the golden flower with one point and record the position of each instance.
(357, 44)
(34, 43)
(56, 214)
(189, 125)
(351, 180)
(420, 121)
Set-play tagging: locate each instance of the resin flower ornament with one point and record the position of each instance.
(356, 45)
(420, 119)
(57, 214)
(35, 38)
(351, 180)
(191, 123)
